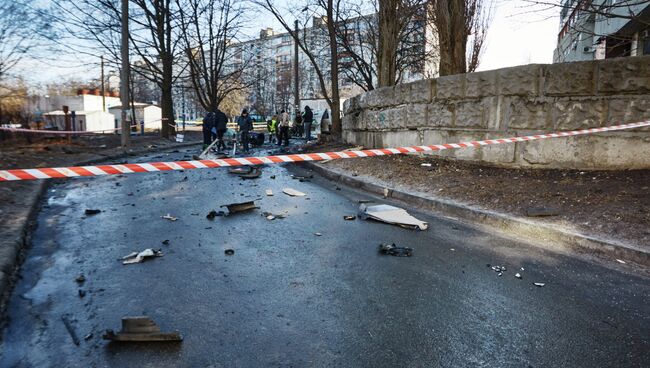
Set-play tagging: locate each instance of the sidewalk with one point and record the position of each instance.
(19, 201)
(605, 213)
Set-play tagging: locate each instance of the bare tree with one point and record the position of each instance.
(96, 23)
(308, 42)
(457, 22)
(208, 27)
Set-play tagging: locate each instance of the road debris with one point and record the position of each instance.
(165, 242)
(88, 337)
(229, 252)
(81, 293)
(293, 192)
(169, 217)
(139, 257)
(254, 174)
(394, 250)
(240, 170)
(272, 216)
(318, 234)
(90, 212)
(68, 326)
(540, 284)
(80, 279)
(349, 217)
(141, 328)
(426, 164)
(518, 275)
(240, 207)
(620, 261)
(392, 215)
(269, 192)
(302, 178)
(272, 176)
(542, 212)
(212, 214)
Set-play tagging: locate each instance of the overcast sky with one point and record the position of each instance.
(516, 37)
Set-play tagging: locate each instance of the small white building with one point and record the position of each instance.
(83, 120)
(150, 114)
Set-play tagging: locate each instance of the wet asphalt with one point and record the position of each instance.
(290, 298)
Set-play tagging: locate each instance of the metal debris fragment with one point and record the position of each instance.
(165, 242)
(540, 284)
(269, 192)
(141, 328)
(318, 234)
(518, 275)
(139, 257)
(293, 192)
(394, 250)
(229, 252)
(240, 207)
(392, 215)
(169, 217)
(212, 214)
(68, 326)
(349, 217)
(80, 279)
(91, 212)
(620, 261)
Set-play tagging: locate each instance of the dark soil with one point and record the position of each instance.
(607, 204)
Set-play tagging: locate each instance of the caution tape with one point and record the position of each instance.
(82, 171)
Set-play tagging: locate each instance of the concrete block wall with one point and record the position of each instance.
(516, 101)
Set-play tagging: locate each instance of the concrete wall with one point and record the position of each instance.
(517, 101)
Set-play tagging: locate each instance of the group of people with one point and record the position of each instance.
(279, 127)
(215, 125)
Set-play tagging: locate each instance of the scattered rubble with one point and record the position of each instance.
(392, 215)
(139, 257)
(293, 192)
(169, 217)
(394, 250)
(349, 217)
(540, 284)
(271, 216)
(229, 252)
(91, 212)
(240, 207)
(269, 192)
(141, 328)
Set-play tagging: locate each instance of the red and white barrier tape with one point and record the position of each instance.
(77, 171)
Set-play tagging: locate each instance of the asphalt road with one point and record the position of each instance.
(290, 298)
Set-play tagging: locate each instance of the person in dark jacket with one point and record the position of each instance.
(245, 124)
(221, 123)
(308, 119)
(208, 124)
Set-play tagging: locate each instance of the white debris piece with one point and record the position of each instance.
(138, 257)
(620, 261)
(393, 215)
(425, 165)
(293, 192)
(169, 217)
(269, 192)
(540, 284)
(518, 275)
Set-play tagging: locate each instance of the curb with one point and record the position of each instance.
(10, 265)
(537, 233)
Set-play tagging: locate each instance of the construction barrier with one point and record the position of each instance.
(81, 171)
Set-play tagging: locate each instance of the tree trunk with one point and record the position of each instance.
(335, 104)
(452, 36)
(389, 30)
(167, 100)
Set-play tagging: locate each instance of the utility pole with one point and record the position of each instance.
(124, 78)
(296, 89)
(103, 87)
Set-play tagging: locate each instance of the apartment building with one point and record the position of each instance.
(602, 29)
